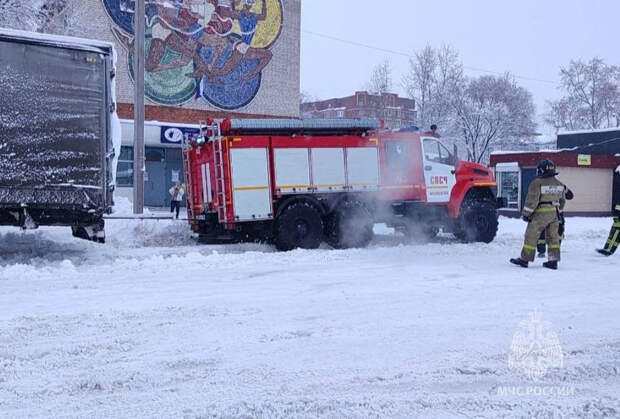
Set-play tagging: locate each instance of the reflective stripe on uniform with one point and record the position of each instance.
(617, 225)
(554, 246)
(614, 240)
(545, 209)
(528, 247)
(617, 207)
(528, 209)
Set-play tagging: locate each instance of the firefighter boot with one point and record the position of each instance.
(552, 264)
(541, 247)
(519, 262)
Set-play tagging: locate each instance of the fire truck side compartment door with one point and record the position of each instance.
(363, 168)
(328, 169)
(292, 170)
(438, 172)
(250, 182)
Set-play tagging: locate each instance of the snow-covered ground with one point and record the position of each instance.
(153, 325)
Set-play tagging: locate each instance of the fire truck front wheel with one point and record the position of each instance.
(350, 226)
(477, 222)
(299, 226)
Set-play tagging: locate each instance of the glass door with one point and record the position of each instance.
(509, 185)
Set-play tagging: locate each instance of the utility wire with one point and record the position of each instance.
(404, 54)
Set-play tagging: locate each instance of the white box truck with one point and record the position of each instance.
(59, 133)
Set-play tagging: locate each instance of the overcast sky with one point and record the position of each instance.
(529, 38)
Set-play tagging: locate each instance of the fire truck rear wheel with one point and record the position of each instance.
(477, 222)
(299, 226)
(350, 226)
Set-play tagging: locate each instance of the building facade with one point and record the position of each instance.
(395, 111)
(204, 59)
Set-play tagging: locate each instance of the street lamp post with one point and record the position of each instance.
(138, 144)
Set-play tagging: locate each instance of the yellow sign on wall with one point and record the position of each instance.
(584, 160)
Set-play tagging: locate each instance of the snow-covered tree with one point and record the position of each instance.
(493, 113)
(480, 114)
(381, 79)
(565, 114)
(591, 97)
(435, 76)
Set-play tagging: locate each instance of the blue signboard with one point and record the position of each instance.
(178, 135)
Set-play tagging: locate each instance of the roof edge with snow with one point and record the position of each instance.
(589, 131)
(55, 40)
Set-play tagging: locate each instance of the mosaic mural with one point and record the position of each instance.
(212, 50)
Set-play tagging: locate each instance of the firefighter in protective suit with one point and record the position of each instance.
(614, 237)
(545, 201)
(542, 241)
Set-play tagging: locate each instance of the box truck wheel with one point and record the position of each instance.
(299, 226)
(350, 225)
(477, 221)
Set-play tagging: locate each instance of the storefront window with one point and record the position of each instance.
(154, 154)
(124, 171)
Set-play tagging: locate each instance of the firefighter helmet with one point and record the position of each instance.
(546, 168)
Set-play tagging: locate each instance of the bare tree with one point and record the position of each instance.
(305, 97)
(565, 114)
(381, 79)
(493, 112)
(591, 96)
(435, 76)
(482, 114)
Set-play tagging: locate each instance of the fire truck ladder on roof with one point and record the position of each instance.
(220, 170)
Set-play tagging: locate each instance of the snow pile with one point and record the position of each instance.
(147, 232)
(150, 233)
(123, 207)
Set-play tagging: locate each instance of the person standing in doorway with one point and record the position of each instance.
(176, 193)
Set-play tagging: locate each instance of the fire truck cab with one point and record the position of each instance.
(300, 183)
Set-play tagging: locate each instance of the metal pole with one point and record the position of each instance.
(138, 125)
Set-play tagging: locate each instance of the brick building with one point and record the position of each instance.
(395, 111)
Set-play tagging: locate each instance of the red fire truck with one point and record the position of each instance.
(299, 183)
